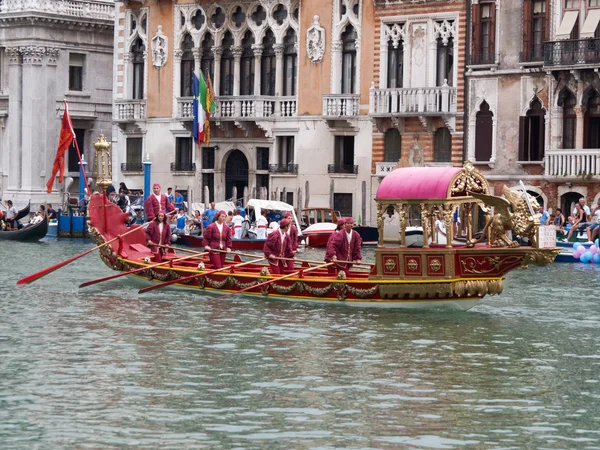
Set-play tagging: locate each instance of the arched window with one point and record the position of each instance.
(568, 102)
(445, 62)
(207, 62)
(532, 133)
(267, 65)
(592, 121)
(187, 67)
(137, 61)
(290, 63)
(392, 147)
(483, 133)
(227, 65)
(348, 60)
(395, 64)
(247, 65)
(442, 145)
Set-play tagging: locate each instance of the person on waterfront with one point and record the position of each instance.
(179, 201)
(278, 246)
(50, 212)
(197, 222)
(11, 214)
(543, 215)
(123, 188)
(42, 211)
(2, 222)
(261, 226)
(217, 240)
(170, 194)
(344, 246)
(156, 202)
(241, 210)
(158, 234)
(575, 219)
(211, 213)
(559, 220)
(238, 222)
(592, 229)
(180, 221)
(229, 218)
(293, 235)
(109, 191)
(123, 202)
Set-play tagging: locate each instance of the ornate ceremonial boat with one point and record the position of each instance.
(436, 275)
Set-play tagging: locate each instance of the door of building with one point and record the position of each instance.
(236, 174)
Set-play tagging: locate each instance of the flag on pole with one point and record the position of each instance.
(67, 135)
(202, 107)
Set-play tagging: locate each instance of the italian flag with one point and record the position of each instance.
(203, 107)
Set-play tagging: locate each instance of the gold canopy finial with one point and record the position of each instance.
(103, 167)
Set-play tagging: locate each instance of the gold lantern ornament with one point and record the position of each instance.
(103, 169)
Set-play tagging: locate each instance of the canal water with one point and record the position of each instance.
(105, 368)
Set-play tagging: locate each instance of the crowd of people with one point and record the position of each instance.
(581, 220)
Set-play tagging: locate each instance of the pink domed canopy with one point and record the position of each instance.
(417, 183)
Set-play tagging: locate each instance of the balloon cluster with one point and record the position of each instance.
(587, 255)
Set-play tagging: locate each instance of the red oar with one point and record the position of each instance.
(196, 275)
(289, 275)
(140, 269)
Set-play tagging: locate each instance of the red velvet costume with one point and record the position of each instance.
(152, 206)
(274, 246)
(153, 234)
(218, 241)
(293, 235)
(338, 246)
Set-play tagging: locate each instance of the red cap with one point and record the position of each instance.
(221, 212)
(341, 222)
(349, 220)
(284, 223)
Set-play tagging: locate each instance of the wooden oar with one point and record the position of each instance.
(289, 275)
(43, 273)
(140, 269)
(362, 265)
(196, 275)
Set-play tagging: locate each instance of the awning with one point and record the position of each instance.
(590, 25)
(567, 24)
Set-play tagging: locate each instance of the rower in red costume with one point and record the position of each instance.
(293, 235)
(155, 202)
(278, 245)
(331, 270)
(158, 233)
(344, 247)
(217, 236)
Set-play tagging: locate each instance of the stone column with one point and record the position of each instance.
(218, 51)
(258, 50)
(237, 79)
(53, 86)
(177, 54)
(197, 52)
(580, 113)
(336, 69)
(383, 65)
(279, 69)
(15, 72)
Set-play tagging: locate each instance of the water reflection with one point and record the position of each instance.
(105, 368)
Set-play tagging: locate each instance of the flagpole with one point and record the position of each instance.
(81, 165)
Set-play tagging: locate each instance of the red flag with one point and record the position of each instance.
(67, 134)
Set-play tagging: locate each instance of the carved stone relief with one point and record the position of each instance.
(160, 49)
(415, 156)
(315, 41)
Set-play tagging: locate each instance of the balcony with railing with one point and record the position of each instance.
(183, 166)
(341, 105)
(132, 167)
(130, 110)
(413, 101)
(578, 52)
(288, 169)
(242, 107)
(570, 163)
(344, 169)
(80, 9)
(383, 168)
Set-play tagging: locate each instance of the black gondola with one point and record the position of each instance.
(27, 233)
(23, 212)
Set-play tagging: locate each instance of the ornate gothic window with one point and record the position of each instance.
(592, 121)
(395, 64)
(290, 63)
(137, 59)
(349, 60)
(187, 67)
(442, 145)
(445, 62)
(207, 62)
(484, 133)
(247, 65)
(392, 147)
(227, 65)
(267, 65)
(532, 133)
(568, 103)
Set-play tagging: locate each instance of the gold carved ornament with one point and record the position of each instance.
(390, 264)
(435, 265)
(412, 265)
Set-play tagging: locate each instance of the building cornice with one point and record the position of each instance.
(53, 21)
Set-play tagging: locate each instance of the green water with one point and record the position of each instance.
(106, 368)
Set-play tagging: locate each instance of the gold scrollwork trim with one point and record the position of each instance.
(540, 257)
(495, 264)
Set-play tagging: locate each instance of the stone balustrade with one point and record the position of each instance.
(130, 110)
(242, 107)
(340, 105)
(572, 163)
(412, 101)
(85, 9)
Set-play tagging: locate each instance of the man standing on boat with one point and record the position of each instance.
(217, 236)
(158, 234)
(277, 246)
(11, 214)
(211, 213)
(293, 235)
(344, 247)
(261, 226)
(156, 202)
(237, 220)
(328, 256)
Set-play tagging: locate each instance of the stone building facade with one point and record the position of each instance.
(50, 51)
(533, 97)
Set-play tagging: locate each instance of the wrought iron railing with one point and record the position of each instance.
(183, 167)
(572, 52)
(342, 168)
(132, 167)
(283, 168)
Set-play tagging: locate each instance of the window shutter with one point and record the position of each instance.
(493, 33)
(523, 137)
(547, 22)
(527, 31)
(476, 24)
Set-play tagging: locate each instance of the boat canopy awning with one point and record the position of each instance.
(431, 183)
(590, 25)
(567, 24)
